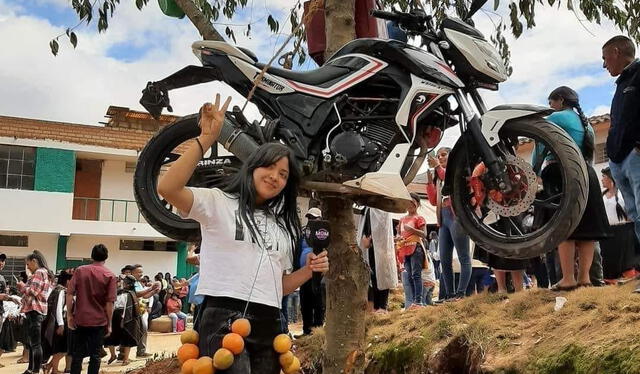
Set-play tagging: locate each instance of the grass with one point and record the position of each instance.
(595, 332)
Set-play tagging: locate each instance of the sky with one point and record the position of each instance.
(112, 68)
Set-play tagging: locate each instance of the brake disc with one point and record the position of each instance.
(525, 186)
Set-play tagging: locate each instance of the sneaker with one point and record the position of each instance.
(637, 290)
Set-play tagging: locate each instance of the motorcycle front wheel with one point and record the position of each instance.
(532, 219)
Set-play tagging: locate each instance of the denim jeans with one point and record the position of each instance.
(476, 284)
(408, 291)
(413, 265)
(627, 177)
(87, 341)
(451, 234)
(33, 327)
(427, 295)
(174, 319)
(293, 305)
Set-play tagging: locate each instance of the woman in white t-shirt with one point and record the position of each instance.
(619, 251)
(249, 229)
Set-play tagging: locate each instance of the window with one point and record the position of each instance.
(14, 240)
(147, 245)
(130, 167)
(17, 167)
(600, 155)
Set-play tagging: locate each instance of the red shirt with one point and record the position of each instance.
(93, 286)
(35, 292)
(407, 244)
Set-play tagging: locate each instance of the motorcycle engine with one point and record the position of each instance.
(364, 147)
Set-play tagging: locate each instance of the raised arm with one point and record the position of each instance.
(172, 184)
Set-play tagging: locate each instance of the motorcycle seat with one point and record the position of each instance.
(314, 77)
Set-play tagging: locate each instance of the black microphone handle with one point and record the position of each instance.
(316, 276)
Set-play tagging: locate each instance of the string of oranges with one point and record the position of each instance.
(232, 344)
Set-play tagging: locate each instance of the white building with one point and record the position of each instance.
(66, 187)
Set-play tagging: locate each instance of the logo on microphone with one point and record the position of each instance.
(322, 234)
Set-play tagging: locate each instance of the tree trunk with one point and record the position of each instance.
(340, 26)
(205, 28)
(347, 283)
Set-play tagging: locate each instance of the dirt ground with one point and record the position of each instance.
(159, 345)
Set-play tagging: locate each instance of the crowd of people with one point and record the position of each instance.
(603, 249)
(82, 312)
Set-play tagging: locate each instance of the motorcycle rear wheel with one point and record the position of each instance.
(508, 237)
(162, 149)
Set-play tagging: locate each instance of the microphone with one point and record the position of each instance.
(319, 240)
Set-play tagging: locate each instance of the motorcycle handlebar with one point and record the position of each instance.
(413, 22)
(384, 15)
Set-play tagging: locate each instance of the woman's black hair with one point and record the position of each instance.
(42, 262)
(570, 98)
(415, 197)
(620, 212)
(283, 207)
(64, 278)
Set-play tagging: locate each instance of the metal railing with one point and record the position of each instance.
(110, 210)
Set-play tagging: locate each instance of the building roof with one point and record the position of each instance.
(600, 119)
(131, 135)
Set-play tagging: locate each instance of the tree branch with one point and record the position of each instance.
(204, 26)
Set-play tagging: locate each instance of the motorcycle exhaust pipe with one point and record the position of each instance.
(236, 140)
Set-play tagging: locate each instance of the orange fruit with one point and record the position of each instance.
(222, 359)
(294, 367)
(286, 359)
(187, 367)
(233, 342)
(189, 337)
(187, 351)
(242, 327)
(203, 365)
(282, 343)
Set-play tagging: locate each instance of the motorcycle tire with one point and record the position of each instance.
(145, 180)
(563, 222)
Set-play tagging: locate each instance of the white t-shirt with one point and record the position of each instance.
(610, 207)
(229, 260)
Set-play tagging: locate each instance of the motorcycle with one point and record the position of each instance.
(363, 122)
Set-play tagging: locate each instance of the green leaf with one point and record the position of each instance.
(273, 24)
(73, 39)
(53, 44)
(230, 34)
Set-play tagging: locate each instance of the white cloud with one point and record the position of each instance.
(599, 110)
(558, 51)
(78, 85)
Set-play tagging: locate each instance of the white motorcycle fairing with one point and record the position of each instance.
(494, 119)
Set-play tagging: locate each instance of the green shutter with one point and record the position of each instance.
(183, 269)
(55, 170)
(61, 256)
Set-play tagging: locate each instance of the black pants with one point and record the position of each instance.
(33, 336)
(311, 307)
(379, 298)
(213, 323)
(86, 341)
